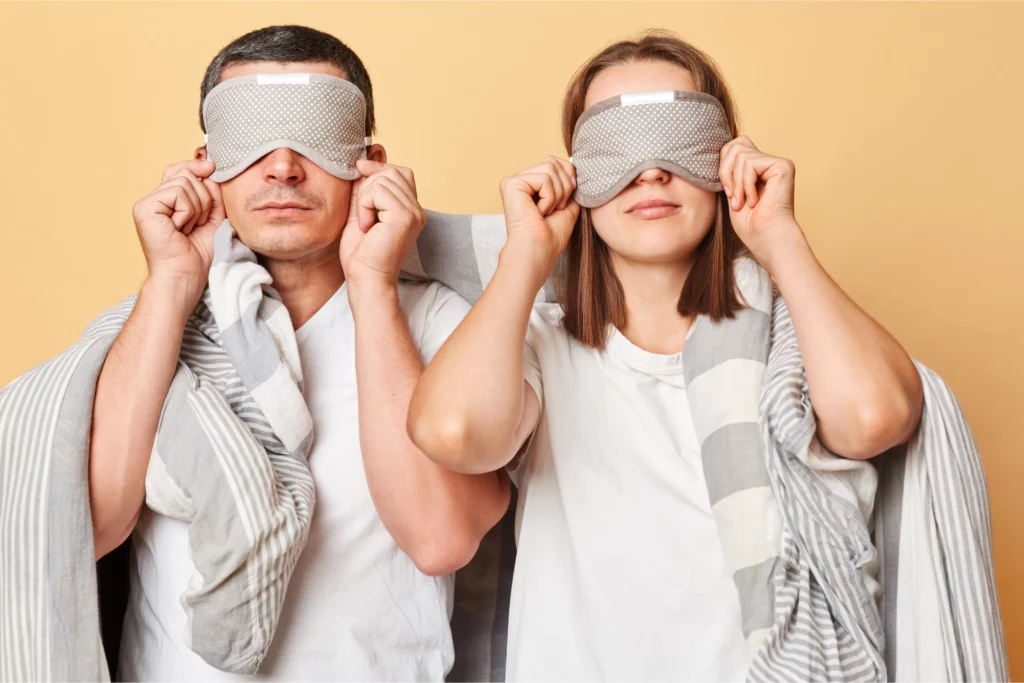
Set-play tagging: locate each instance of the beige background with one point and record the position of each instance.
(903, 121)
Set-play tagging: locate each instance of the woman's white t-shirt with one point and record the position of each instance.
(619, 573)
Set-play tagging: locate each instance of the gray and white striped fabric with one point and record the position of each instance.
(799, 526)
(808, 582)
(229, 458)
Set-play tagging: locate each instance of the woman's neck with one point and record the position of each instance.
(652, 295)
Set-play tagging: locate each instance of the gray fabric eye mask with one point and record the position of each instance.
(616, 140)
(319, 116)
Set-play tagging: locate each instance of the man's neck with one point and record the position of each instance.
(652, 304)
(306, 284)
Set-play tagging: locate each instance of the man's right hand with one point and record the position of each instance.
(176, 223)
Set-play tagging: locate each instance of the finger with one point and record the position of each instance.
(574, 209)
(409, 176)
(193, 198)
(736, 182)
(366, 211)
(173, 201)
(739, 189)
(217, 211)
(401, 193)
(546, 194)
(394, 173)
(745, 141)
(385, 200)
(200, 167)
(558, 184)
(368, 166)
(730, 153)
(353, 201)
(725, 168)
(750, 183)
(205, 201)
(569, 169)
(565, 184)
(540, 188)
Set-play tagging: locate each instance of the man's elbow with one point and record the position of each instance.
(452, 542)
(107, 537)
(445, 556)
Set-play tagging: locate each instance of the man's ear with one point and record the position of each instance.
(201, 153)
(376, 153)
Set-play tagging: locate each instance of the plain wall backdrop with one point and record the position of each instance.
(903, 120)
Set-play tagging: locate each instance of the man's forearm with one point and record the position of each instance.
(437, 516)
(864, 387)
(130, 394)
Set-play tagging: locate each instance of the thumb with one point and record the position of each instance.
(353, 203)
(217, 212)
(368, 166)
(563, 221)
(202, 237)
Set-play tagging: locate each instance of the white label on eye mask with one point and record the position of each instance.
(646, 97)
(273, 79)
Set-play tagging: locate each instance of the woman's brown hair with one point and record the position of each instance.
(587, 287)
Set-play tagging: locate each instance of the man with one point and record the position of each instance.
(371, 595)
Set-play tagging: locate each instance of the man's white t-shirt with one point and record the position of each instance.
(357, 608)
(619, 573)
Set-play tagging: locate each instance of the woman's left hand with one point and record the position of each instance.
(760, 192)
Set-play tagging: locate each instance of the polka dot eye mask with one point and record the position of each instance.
(616, 140)
(319, 116)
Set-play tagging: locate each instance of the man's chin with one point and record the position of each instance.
(285, 239)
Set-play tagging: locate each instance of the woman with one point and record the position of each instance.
(619, 573)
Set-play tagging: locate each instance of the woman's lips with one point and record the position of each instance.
(653, 208)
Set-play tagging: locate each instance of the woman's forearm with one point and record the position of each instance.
(468, 407)
(865, 390)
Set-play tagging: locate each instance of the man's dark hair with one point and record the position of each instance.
(290, 44)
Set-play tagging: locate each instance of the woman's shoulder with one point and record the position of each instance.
(546, 318)
(550, 314)
(545, 328)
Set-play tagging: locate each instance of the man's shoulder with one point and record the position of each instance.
(413, 294)
(423, 302)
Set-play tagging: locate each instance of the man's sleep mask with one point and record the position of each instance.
(616, 140)
(321, 117)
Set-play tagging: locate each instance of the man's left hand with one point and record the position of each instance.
(385, 218)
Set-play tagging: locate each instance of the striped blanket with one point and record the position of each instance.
(842, 574)
(229, 458)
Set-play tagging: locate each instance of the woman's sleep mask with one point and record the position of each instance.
(321, 117)
(617, 139)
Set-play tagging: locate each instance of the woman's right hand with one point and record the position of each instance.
(540, 213)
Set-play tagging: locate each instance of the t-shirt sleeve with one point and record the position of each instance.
(446, 311)
(531, 365)
(532, 375)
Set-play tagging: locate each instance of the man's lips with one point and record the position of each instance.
(279, 206)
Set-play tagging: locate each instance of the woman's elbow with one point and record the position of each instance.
(883, 425)
(444, 438)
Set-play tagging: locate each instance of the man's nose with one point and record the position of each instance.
(283, 166)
